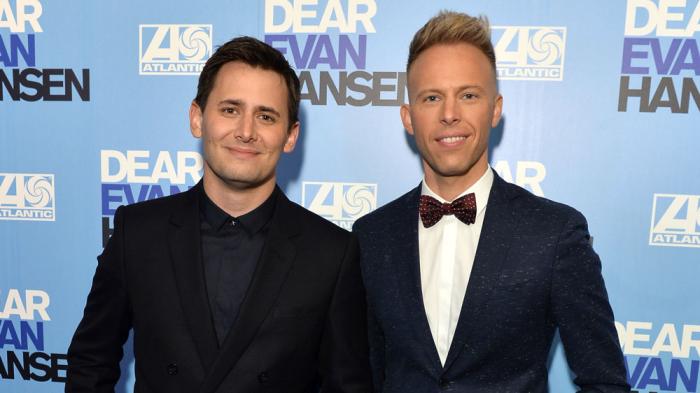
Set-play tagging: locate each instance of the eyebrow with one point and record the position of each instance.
(261, 108)
(459, 88)
(231, 101)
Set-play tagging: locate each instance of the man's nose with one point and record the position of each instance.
(450, 112)
(245, 130)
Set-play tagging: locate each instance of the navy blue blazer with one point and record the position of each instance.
(534, 271)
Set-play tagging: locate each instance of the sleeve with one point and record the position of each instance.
(343, 358)
(376, 350)
(375, 334)
(96, 349)
(583, 313)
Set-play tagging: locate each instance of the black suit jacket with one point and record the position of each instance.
(303, 316)
(534, 271)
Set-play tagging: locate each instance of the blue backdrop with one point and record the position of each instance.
(601, 111)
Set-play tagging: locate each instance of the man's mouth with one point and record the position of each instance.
(241, 151)
(452, 139)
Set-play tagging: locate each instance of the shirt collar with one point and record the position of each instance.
(252, 222)
(481, 190)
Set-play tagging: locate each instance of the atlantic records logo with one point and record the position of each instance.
(174, 49)
(27, 196)
(529, 52)
(675, 221)
(340, 203)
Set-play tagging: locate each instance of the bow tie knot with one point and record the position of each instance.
(431, 210)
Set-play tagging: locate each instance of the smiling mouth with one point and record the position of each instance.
(452, 140)
(242, 151)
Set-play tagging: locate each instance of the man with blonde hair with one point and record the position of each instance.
(468, 276)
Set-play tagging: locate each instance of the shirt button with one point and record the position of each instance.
(172, 369)
(263, 377)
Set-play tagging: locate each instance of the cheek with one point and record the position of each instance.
(423, 118)
(276, 139)
(423, 147)
(420, 127)
(487, 116)
(218, 128)
(420, 138)
(480, 120)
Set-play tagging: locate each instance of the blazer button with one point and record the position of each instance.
(172, 369)
(444, 384)
(263, 377)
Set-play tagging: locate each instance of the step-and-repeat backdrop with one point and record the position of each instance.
(601, 111)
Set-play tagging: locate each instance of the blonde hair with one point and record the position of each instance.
(449, 27)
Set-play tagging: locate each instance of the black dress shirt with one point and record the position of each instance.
(231, 247)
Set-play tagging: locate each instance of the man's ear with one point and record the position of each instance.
(292, 136)
(195, 120)
(406, 118)
(497, 111)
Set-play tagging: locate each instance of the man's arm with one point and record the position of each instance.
(377, 353)
(376, 350)
(96, 348)
(583, 314)
(344, 360)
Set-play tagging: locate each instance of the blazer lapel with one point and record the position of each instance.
(184, 244)
(408, 261)
(271, 272)
(494, 242)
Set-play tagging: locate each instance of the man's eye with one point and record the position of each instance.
(229, 111)
(267, 118)
(431, 98)
(469, 96)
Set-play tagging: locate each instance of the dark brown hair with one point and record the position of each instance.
(254, 53)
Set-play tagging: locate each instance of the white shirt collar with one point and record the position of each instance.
(481, 190)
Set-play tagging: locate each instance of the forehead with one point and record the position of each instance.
(445, 65)
(251, 85)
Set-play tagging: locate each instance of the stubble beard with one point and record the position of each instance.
(236, 178)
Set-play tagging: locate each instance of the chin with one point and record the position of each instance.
(452, 170)
(452, 173)
(232, 177)
(251, 181)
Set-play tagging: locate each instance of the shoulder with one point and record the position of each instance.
(538, 210)
(389, 215)
(156, 208)
(312, 225)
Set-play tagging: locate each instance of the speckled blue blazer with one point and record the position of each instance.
(534, 272)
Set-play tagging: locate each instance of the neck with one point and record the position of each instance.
(236, 201)
(449, 187)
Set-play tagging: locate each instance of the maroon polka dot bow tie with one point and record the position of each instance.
(431, 210)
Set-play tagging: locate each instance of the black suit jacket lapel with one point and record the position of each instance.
(408, 261)
(494, 242)
(185, 254)
(271, 272)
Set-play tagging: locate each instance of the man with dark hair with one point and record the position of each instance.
(468, 276)
(229, 287)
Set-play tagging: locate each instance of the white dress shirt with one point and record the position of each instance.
(447, 252)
